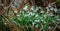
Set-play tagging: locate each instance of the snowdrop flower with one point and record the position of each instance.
(47, 9)
(37, 8)
(51, 8)
(29, 14)
(13, 6)
(5, 7)
(32, 8)
(33, 23)
(15, 11)
(25, 8)
(25, 16)
(49, 5)
(36, 26)
(55, 9)
(5, 23)
(18, 15)
(45, 16)
(33, 14)
(49, 27)
(38, 20)
(42, 20)
(40, 7)
(36, 15)
(42, 11)
(58, 19)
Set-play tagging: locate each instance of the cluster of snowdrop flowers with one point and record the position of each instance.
(34, 9)
(50, 14)
(51, 8)
(30, 14)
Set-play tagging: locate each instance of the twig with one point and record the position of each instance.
(4, 10)
(56, 26)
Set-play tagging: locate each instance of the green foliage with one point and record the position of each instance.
(31, 18)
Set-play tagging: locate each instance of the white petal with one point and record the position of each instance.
(15, 11)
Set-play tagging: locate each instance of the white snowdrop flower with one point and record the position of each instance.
(33, 14)
(58, 19)
(55, 9)
(18, 15)
(36, 15)
(25, 16)
(32, 8)
(49, 27)
(28, 11)
(29, 14)
(5, 7)
(5, 23)
(36, 26)
(51, 15)
(42, 11)
(51, 8)
(40, 7)
(25, 8)
(49, 5)
(23, 12)
(33, 23)
(44, 15)
(44, 22)
(37, 8)
(15, 11)
(38, 20)
(47, 9)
